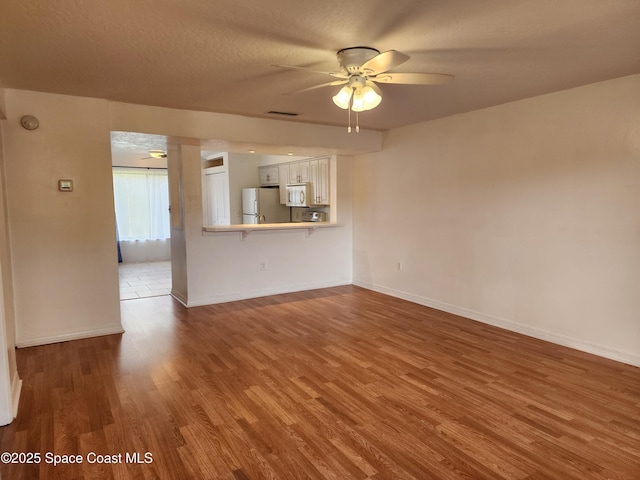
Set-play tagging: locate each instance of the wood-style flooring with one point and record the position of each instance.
(333, 383)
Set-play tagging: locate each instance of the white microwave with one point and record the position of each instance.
(299, 195)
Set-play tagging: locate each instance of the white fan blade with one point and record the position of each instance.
(333, 74)
(328, 84)
(414, 78)
(383, 61)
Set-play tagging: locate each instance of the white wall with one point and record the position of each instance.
(275, 159)
(63, 244)
(523, 215)
(188, 124)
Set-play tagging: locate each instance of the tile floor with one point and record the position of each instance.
(140, 280)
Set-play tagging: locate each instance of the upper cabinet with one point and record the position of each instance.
(283, 176)
(269, 175)
(299, 172)
(319, 178)
(314, 171)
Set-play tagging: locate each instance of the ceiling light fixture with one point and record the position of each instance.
(359, 95)
(343, 97)
(157, 154)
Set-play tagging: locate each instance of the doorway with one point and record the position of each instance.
(141, 200)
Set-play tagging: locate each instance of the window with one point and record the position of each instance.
(141, 199)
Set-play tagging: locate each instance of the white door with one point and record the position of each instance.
(217, 199)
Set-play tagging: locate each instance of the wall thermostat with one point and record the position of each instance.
(29, 122)
(65, 185)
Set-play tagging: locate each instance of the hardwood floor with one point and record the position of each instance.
(333, 383)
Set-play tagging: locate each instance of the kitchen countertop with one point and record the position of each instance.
(245, 229)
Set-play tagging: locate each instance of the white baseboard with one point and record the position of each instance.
(65, 337)
(16, 388)
(575, 343)
(178, 296)
(245, 295)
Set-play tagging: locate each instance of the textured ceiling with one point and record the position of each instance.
(216, 55)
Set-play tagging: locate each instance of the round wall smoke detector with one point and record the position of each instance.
(29, 122)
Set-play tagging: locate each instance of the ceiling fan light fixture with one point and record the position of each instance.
(370, 98)
(357, 105)
(343, 97)
(365, 98)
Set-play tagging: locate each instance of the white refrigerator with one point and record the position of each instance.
(262, 205)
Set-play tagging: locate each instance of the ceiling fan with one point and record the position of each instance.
(361, 69)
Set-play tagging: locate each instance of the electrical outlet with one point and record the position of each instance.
(263, 265)
(398, 266)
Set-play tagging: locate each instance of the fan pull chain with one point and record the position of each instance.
(357, 120)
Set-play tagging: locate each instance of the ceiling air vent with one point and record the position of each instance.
(285, 114)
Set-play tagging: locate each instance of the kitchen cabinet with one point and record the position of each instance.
(268, 175)
(283, 178)
(299, 172)
(314, 171)
(319, 178)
